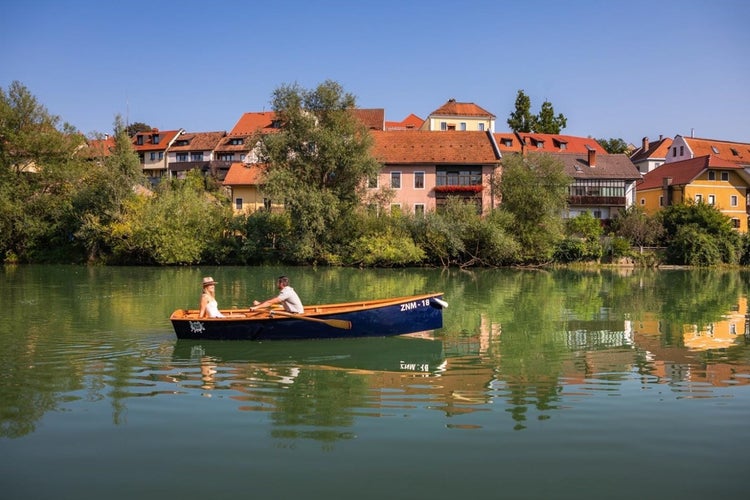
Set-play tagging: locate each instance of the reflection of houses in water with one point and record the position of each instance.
(715, 335)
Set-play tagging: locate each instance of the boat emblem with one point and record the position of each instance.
(197, 327)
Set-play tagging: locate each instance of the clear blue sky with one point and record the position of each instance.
(614, 68)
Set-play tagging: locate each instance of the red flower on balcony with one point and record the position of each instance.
(458, 189)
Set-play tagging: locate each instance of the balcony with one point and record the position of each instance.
(600, 201)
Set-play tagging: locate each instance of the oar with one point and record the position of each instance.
(336, 323)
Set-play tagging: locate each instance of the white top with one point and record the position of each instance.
(212, 308)
(290, 300)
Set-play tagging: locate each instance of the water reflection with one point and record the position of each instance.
(525, 345)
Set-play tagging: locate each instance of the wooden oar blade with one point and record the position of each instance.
(339, 323)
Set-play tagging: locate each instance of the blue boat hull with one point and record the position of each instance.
(413, 314)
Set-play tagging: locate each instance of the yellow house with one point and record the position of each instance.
(705, 179)
(245, 181)
(461, 116)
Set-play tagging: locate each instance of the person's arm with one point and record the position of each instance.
(204, 304)
(266, 303)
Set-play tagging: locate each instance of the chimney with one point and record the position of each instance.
(644, 148)
(592, 156)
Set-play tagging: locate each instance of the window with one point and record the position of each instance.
(661, 201)
(715, 150)
(725, 176)
(418, 180)
(152, 156)
(396, 180)
(711, 199)
(462, 126)
(155, 138)
(196, 156)
(736, 223)
(419, 209)
(181, 157)
(734, 152)
(267, 204)
(226, 156)
(733, 200)
(161, 155)
(139, 140)
(711, 175)
(682, 150)
(481, 127)
(372, 183)
(236, 141)
(597, 214)
(507, 142)
(699, 198)
(443, 126)
(674, 151)
(238, 203)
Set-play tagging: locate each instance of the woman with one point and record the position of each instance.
(209, 306)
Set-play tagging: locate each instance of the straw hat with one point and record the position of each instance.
(208, 280)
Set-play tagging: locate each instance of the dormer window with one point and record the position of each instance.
(508, 142)
(139, 140)
(734, 152)
(182, 142)
(155, 138)
(539, 144)
(236, 141)
(715, 150)
(276, 124)
(560, 144)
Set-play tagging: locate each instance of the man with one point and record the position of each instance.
(287, 297)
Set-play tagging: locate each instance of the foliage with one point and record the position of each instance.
(547, 123)
(265, 237)
(534, 190)
(582, 241)
(638, 227)
(614, 145)
(522, 120)
(179, 225)
(132, 129)
(319, 162)
(699, 234)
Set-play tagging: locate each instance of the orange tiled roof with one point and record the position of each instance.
(433, 147)
(507, 142)
(165, 138)
(99, 148)
(557, 143)
(197, 141)
(683, 172)
(374, 119)
(240, 174)
(411, 122)
(453, 108)
(249, 123)
(736, 152)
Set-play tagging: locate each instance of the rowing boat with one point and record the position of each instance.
(368, 318)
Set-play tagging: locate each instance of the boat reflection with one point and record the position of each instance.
(398, 354)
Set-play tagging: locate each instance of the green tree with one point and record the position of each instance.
(109, 181)
(547, 123)
(133, 128)
(39, 174)
(534, 190)
(638, 227)
(319, 163)
(521, 120)
(696, 232)
(614, 146)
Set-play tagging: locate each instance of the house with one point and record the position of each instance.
(683, 148)
(460, 116)
(151, 147)
(245, 182)
(603, 184)
(424, 168)
(704, 179)
(194, 150)
(651, 154)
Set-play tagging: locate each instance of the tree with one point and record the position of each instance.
(547, 123)
(534, 190)
(521, 120)
(319, 163)
(133, 128)
(614, 146)
(638, 227)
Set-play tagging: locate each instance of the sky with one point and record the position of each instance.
(623, 69)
